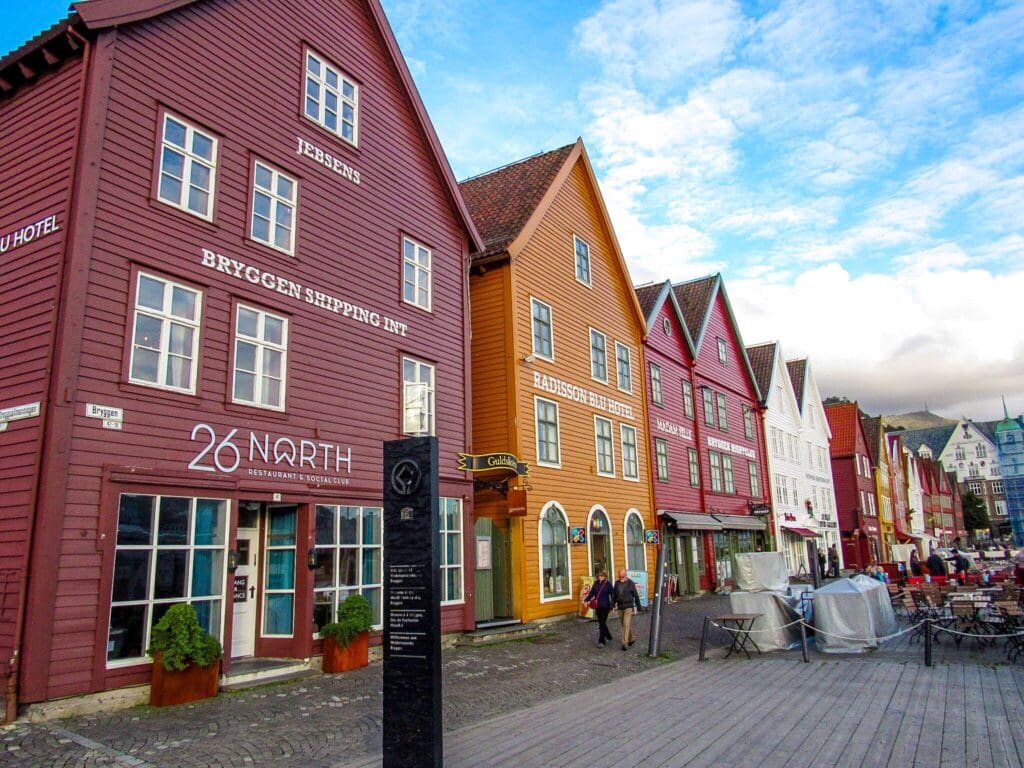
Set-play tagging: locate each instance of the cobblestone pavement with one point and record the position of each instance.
(326, 720)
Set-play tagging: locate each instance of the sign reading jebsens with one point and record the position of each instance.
(270, 457)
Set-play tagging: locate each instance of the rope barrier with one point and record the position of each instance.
(878, 639)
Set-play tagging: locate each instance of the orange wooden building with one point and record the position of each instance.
(557, 386)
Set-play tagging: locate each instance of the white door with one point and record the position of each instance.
(246, 581)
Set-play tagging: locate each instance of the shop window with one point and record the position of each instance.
(636, 552)
(451, 551)
(661, 455)
(582, 251)
(169, 550)
(188, 167)
(755, 479)
(165, 334)
(548, 451)
(279, 582)
(274, 198)
(417, 397)
(657, 395)
(261, 348)
(554, 553)
(748, 427)
(543, 333)
(623, 367)
(630, 467)
(727, 477)
(715, 462)
(349, 559)
(694, 467)
(416, 274)
(598, 356)
(331, 99)
(605, 446)
(723, 413)
(688, 399)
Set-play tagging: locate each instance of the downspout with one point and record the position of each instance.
(14, 666)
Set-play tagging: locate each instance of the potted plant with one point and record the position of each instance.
(186, 660)
(347, 640)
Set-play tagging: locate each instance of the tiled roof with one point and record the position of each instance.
(694, 299)
(797, 371)
(934, 437)
(843, 422)
(762, 358)
(647, 295)
(502, 201)
(872, 433)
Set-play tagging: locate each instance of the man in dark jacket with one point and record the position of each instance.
(626, 599)
(936, 565)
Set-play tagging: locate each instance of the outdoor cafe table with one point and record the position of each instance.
(739, 626)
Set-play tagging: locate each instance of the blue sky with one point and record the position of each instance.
(854, 169)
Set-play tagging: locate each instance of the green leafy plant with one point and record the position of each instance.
(182, 641)
(354, 616)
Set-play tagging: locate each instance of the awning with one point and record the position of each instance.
(692, 520)
(741, 522)
(807, 533)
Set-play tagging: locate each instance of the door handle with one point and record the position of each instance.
(252, 592)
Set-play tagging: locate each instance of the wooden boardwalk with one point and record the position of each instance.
(772, 711)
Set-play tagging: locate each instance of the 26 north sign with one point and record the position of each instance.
(272, 457)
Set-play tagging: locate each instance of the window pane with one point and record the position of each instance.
(281, 569)
(245, 356)
(323, 609)
(245, 386)
(373, 597)
(181, 340)
(263, 176)
(183, 303)
(210, 520)
(202, 146)
(171, 570)
(323, 576)
(348, 518)
(348, 567)
(324, 524)
(127, 629)
(174, 514)
(278, 619)
(282, 528)
(174, 132)
(207, 572)
(135, 520)
(273, 330)
(371, 566)
(371, 525)
(131, 575)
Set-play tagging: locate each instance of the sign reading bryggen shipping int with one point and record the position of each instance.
(291, 289)
(270, 457)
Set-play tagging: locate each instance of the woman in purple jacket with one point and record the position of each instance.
(602, 591)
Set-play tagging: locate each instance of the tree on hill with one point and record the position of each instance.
(975, 513)
(835, 400)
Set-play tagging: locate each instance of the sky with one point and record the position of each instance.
(855, 170)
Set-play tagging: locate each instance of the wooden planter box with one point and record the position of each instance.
(180, 687)
(354, 656)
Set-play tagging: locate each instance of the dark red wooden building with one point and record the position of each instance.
(856, 500)
(234, 262)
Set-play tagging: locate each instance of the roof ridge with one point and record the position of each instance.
(514, 163)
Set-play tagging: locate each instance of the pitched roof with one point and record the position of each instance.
(934, 437)
(872, 426)
(797, 372)
(694, 299)
(648, 296)
(651, 298)
(502, 201)
(843, 421)
(762, 360)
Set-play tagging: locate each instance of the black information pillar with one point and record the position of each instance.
(412, 605)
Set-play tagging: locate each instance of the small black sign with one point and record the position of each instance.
(241, 589)
(412, 605)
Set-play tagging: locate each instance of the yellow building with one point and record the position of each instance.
(557, 366)
(878, 448)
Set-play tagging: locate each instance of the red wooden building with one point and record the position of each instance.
(236, 265)
(855, 486)
(728, 428)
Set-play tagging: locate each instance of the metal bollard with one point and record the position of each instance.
(927, 642)
(803, 641)
(704, 638)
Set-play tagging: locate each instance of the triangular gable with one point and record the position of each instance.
(762, 363)
(652, 299)
(797, 370)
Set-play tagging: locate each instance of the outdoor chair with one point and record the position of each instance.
(1013, 623)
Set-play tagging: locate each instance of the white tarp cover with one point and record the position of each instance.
(761, 571)
(775, 612)
(858, 609)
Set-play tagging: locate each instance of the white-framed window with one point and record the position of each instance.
(279, 572)
(169, 549)
(748, 428)
(974, 471)
(755, 478)
(452, 573)
(867, 466)
(863, 502)
(605, 446)
(998, 487)
(657, 395)
(980, 451)
(417, 397)
(961, 452)
(555, 573)
(630, 467)
(548, 449)
(623, 367)
(715, 463)
(636, 551)
(261, 350)
(871, 505)
(666, 326)
(165, 334)
(709, 406)
(723, 352)
(687, 399)
(661, 456)
(543, 331)
(349, 559)
(331, 99)
(730, 483)
(723, 413)
(188, 167)
(1000, 507)
(782, 490)
(598, 356)
(582, 251)
(416, 274)
(274, 205)
(694, 467)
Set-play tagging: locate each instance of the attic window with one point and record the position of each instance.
(331, 99)
(667, 326)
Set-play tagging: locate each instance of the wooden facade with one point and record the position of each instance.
(855, 486)
(351, 355)
(533, 215)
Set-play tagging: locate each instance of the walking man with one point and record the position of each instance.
(833, 561)
(626, 600)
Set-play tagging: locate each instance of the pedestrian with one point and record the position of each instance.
(602, 592)
(1018, 569)
(959, 566)
(821, 564)
(626, 600)
(833, 561)
(915, 563)
(936, 565)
